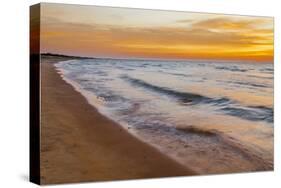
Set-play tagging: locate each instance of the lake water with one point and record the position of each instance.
(213, 117)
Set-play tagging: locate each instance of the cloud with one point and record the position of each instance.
(216, 38)
(184, 21)
(224, 23)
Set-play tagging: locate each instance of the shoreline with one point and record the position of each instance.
(79, 144)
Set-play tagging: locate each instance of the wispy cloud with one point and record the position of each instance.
(184, 21)
(224, 23)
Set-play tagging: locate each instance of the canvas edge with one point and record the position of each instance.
(34, 95)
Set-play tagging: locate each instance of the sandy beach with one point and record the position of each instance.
(78, 144)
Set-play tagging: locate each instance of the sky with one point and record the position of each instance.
(95, 31)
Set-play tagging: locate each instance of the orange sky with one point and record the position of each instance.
(136, 33)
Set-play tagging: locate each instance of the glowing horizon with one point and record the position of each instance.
(139, 33)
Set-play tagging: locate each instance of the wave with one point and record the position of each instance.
(248, 153)
(261, 77)
(175, 74)
(267, 70)
(233, 69)
(254, 113)
(248, 84)
(226, 105)
(183, 97)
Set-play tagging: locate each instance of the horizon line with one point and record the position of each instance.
(157, 59)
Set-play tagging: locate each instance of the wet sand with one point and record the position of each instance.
(78, 144)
